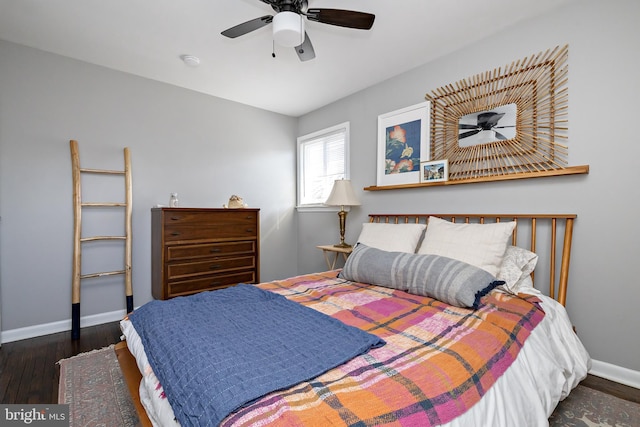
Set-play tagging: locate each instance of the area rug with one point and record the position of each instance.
(586, 407)
(93, 386)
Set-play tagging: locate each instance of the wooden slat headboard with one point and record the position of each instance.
(556, 230)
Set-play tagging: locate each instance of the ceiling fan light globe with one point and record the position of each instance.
(288, 29)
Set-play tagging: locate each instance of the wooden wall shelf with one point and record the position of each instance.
(572, 170)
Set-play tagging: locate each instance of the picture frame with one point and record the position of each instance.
(403, 143)
(512, 120)
(434, 171)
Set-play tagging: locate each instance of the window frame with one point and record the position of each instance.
(301, 141)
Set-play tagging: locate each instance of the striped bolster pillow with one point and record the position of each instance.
(446, 279)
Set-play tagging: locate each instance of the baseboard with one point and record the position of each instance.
(60, 326)
(615, 373)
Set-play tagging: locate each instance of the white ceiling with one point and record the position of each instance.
(147, 38)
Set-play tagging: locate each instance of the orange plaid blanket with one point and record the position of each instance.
(438, 362)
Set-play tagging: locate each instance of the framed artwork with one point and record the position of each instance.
(434, 171)
(509, 121)
(403, 143)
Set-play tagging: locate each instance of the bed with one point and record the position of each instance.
(462, 320)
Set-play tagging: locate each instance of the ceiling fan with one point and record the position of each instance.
(288, 24)
(486, 121)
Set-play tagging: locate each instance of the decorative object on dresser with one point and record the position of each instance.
(342, 195)
(200, 249)
(236, 202)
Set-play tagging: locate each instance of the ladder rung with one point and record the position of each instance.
(94, 238)
(107, 171)
(106, 273)
(103, 204)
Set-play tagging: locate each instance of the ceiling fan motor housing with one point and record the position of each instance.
(288, 29)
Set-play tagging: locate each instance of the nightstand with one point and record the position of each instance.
(336, 250)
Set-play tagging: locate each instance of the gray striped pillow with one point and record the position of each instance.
(446, 279)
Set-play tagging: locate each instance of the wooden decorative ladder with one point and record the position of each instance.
(78, 240)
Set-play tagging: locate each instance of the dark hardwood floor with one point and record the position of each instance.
(616, 389)
(28, 370)
(29, 374)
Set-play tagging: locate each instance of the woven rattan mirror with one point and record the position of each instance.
(507, 121)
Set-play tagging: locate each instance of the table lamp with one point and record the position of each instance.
(342, 195)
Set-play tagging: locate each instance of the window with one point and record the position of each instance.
(323, 157)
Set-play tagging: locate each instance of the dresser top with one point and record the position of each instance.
(178, 209)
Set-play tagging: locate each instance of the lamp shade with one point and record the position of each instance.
(342, 194)
(288, 29)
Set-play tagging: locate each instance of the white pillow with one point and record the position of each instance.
(482, 245)
(391, 237)
(517, 266)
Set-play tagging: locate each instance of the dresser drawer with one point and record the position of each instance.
(217, 281)
(210, 250)
(224, 217)
(185, 224)
(178, 232)
(188, 269)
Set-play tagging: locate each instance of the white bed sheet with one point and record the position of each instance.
(550, 364)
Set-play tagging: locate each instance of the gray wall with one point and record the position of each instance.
(604, 91)
(202, 147)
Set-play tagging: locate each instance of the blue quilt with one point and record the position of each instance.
(214, 352)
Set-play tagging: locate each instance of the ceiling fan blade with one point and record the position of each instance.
(467, 134)
(466, 126)
(500, 136)
(305, 50)
(342, 18)
(247, 27)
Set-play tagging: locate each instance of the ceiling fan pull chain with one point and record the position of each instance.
(273, 48)
(302, 34)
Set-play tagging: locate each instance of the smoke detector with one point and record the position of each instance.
(190, 60)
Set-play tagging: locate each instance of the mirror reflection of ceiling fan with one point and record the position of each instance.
(288, 24)
(487, 121)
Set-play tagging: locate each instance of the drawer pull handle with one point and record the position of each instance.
(214, 266)
(175, 218)
(215, 250)
(249, 230)
(215, 284)
(175, 233)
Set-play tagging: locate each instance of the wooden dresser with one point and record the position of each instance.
(198, 249)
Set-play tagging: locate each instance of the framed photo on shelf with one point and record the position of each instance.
(434, 171)
(403, 143)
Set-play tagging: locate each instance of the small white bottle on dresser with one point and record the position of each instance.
(173, 200)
